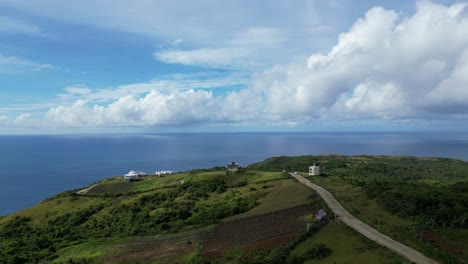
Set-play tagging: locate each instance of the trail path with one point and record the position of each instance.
(85, 191)
(362, 228)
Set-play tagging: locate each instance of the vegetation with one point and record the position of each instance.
(429, 205)
(200, 201)
(421, 202)
(362, 169)
(344, 246)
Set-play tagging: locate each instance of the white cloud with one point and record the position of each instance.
(385, 66)
(158, 109)
(241, 50)
(169, 101)
(227, 33)
(24, 120)
(10, 64)
(77, 90)
(218, 57)
(23, 117)
(168, 83)
(153, 109)
(257, 37)
(10, 25)
(177, 41)
(204, 21)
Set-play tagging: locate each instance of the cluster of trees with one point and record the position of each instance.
(163, 211)
(429, 205)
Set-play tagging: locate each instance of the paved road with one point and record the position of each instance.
(362, 228)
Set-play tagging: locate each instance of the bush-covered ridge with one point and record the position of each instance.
(364, 167)
(430, 205)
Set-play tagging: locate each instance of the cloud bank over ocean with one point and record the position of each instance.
(388, 66)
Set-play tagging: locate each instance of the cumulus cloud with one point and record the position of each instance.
(156, 108)
(24, 120)
(385, 66)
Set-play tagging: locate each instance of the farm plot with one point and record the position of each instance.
(167, 250)
(264, 231)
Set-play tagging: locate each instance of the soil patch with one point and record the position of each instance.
(258, 232)
(150, 250)
(439, 242)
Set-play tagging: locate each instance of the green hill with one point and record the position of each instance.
(171, 219)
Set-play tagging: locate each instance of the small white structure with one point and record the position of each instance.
(314, 170)
(233, 166)
(133, 175)
(165, 172)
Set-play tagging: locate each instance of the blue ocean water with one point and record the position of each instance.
(33, 168)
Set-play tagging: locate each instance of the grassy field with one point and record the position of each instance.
(55, 207)
(347, 246)
(153, 182)
(283, 194)
(110, 249)
(398, 228)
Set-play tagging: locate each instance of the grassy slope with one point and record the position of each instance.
(368, 211)
(279, 193)
(106, 250)
(250, 182)
(347, 173)
(56, 207)
(347, 246)
(282, 195)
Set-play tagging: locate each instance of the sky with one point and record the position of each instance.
(104, 66)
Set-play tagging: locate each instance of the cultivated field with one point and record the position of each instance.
(265, 231)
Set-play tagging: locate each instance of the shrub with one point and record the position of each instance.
(317, 251)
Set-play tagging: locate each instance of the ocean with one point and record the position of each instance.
(36, 167)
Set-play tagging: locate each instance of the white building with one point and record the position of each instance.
(233, 166)
(165, 172)
(133, 175)
(314, 170)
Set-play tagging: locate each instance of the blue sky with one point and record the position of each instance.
(170, 66)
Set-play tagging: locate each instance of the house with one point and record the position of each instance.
(314, 170)
(233, 167)
(165, 172)
(133, 175)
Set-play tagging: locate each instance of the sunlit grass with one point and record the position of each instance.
(347, 246)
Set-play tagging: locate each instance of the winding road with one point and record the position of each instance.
(362, 228)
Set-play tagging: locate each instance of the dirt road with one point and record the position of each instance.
(362, 228)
